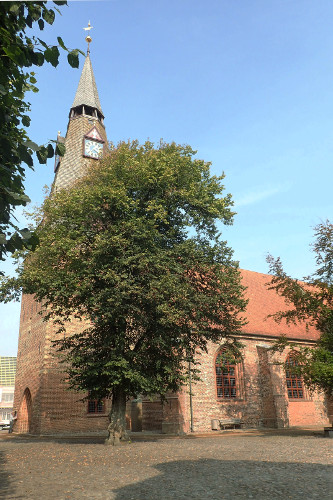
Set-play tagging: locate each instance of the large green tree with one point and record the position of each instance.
(311, 301)
(20, 50)
(134, 251)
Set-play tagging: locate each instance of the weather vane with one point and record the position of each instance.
(88, 37)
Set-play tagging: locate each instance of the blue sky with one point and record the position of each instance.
(248, 84)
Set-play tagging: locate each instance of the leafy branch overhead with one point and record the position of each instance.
(310, 301)
(20, 50)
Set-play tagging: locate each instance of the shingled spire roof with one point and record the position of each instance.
(86, 93)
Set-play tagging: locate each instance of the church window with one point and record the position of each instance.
(293, 380)
(227, 372)
(95, 406)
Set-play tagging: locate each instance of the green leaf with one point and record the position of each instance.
(32, 242)
(15, 243)
(26, 120)
(14, 8)
(73, 59)
(34, 88)
(61, 43)
(3, 91)
(42, 155)
(22, 198)
(50, 151)
(2, 239)
(29, 21)
(37, 58)
(41, 24)
(48, 15)
(52, 55)
(60, 149)
(43, 43)
(15, 54)
(25, 155)
(34, 10)
(32, 145)
(25, 233)
(25, 198)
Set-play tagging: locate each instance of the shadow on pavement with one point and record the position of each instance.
(7, 488)
(27, 438)
(154, 437)
(219, 479)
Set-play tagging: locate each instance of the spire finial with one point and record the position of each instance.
(88, 37)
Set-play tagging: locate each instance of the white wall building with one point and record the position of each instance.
(7, 385)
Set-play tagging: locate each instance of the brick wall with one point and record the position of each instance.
(30, 359)
(44, 403)
(42, 398)
(262, 400)
(261, 391)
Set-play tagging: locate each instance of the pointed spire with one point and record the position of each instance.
(86, 93)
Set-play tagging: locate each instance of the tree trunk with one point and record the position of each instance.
(117, 426)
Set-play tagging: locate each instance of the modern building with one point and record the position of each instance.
(7, 385)
(256, 391)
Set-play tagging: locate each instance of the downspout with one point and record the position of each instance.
(191, 405)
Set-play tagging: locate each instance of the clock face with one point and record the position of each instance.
(93, 149)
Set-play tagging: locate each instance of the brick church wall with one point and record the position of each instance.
(263, 398)
(50, 407)
(30, 360)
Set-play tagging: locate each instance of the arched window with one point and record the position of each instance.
(293, 379)
(228, 376)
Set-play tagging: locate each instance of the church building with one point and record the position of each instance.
(256, 392)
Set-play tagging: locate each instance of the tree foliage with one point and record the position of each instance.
(134, 251)
(312, 302)
(19, 51)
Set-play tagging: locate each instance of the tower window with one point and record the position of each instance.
(89, 111)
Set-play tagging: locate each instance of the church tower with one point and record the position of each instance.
(43, 402)
(85, 138)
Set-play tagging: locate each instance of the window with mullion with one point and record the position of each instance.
(293, 380)
(225, 370)
(95, 406)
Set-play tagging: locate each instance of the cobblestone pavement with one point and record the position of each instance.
(235, 465)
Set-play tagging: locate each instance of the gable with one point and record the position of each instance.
(94, 134)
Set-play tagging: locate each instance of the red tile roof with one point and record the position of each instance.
(263, 302)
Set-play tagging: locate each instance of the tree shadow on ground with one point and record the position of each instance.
(30, 438)
(7, 488)
(228, 479)
(274, 432)
(155, 437)
(4, 479)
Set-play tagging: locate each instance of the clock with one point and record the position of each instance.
(93, 149)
